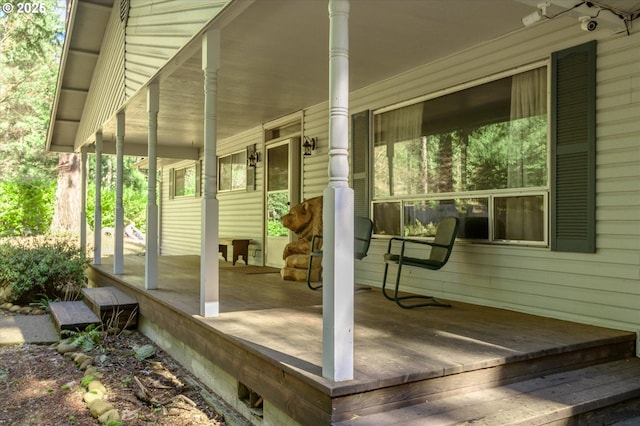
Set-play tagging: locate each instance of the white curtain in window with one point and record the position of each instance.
(528, 99)
(399, 125)
(529, 94)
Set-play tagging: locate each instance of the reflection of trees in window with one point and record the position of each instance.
(232, 172)
(492, 136)
(277, 206)
(483, 138)
(185, 181)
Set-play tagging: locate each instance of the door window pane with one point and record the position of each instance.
(278, 163)
(277, 206)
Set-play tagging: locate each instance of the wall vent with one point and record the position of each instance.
(251, 399)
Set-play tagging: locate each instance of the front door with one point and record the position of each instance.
(281, 193)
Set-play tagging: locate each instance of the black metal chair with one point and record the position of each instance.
(363, 228)
(438, 255)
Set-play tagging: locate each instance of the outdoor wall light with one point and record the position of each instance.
(253, 157)
(308, 145)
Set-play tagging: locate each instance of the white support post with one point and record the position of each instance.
(151, 258)
(83, 202)
(118, 237)
(338, 210)
(97, 220)
(209, 274)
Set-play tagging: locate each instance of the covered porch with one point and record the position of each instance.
(267, 343)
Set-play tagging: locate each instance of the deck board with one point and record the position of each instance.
(536, 401)
(271, 328)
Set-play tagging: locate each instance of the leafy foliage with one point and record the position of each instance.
(26, 207)
(46, 266)
(29, 49)
(134, 198)
(277, 206)
(30, 44)
(87, 340)
(276, 229)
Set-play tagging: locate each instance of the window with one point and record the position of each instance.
(185, 181)
(480, 154)
(232, 172)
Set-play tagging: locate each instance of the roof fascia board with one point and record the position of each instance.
(231, 10)
(141, 150)
(66, 49)
(63, 64)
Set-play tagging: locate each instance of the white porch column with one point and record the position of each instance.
(83, 201)
(337, 214)
(151, 258)
(209, 276)
(118, 237)
(97, 220)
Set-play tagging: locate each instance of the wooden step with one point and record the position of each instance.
(114, 307)
(553, 398)
(72, 315)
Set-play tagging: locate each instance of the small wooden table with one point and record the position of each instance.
(240, 248)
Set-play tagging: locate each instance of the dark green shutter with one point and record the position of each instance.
(573, 140)
(360, 162)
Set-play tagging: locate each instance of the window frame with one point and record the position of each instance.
(243, 187)
(197, 181)
(490, 194)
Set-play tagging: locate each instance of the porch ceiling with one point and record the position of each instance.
(274, 61)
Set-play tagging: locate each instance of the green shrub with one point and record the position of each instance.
(133, 201)
(36, 267)
(277, 229)
(26, 207)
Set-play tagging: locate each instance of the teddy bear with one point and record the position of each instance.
(305, 220)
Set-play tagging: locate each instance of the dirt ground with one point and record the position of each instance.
(39, 386)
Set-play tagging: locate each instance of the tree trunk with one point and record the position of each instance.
(66, 217)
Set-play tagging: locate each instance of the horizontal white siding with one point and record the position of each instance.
(106, 94)
(601, 288)
(314, 167)
(179, 219)
(242, 212)
(157, 29)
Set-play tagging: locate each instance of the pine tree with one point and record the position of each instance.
(30, 46)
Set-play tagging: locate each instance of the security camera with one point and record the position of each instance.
(587, 23)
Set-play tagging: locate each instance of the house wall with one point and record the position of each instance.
(601, 288)
(241, 212)
(107, 84)
(179, 218)
(156, 29)
(314, 167)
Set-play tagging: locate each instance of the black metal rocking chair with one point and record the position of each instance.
(363, 228)
(439, 254)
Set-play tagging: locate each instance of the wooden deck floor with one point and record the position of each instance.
(279, 323)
